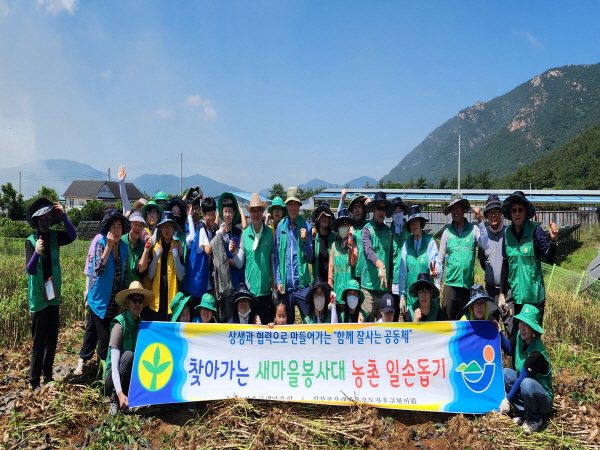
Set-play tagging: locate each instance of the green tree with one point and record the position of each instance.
(453, 184)
(443, 183)
(11, 203)
(277, 191)
(483, 180)
(92, 210)
(468, 182)
(74, 215)
(367, 185)
(421, 182)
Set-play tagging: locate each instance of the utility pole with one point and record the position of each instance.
(19, 183)
(459, 163)
(109, 174)
(181, 174)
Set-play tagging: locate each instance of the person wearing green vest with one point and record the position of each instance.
(276, 211)
(399, 236)
(353, 297)
(318, 300)
(458, 246)
(123, 337)
(323, 237)
(427, 307)
(524, 244)
(358, 210)
(161, 198)
(419, 254)
(42, 265)
(343, 253)
(528, 384)
(257, 248)
(294, 252)
(478, 307)
(377, 243)
(139, 250)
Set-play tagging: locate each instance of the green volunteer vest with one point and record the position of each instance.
(133, 258)
(524, 270)
(35, 283)
(357, 238)
(258, 262)
(315, 264)
(460, 268)
(346, 317)
(521, 355)
(433, 310)
(312, 319)
(130, 334)
(342, 271)
(381, 241)
(303, 275)
(416, 263)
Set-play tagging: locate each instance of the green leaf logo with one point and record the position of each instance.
(156, 367)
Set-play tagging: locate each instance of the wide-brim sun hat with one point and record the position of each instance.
(168, 217)
(242, 292)
(531, 316)
(277, 201)
(38, 208)
(152, 204)
(352, 285)
(357, 198)
(139, 204)
(492, 202)
(397, 201)
(457, 198)
(378, 198)
(208, 302)
(176, 201)
(478, 293)
(318, 283)
(177, 305)
(109, 216)
(517, 197)
(134, 288)
(237, 218)
(292, 195)
(323, 208)
(343, 214)
(424, 281)
(256, 202)
(414, 212)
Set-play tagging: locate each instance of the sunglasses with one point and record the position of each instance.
(380, 207)
(136, 299)
(517, 210)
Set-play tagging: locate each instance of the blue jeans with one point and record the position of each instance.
(532, 400)
(297, 298)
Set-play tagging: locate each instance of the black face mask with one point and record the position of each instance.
(45, 223)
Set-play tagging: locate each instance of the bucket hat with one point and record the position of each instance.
(208, 302)
(256, 202)
(109, 216)
(236, 209)
(277, 201)
(318, 283)
(531, 316)
(397, 201)
(492, 202)
(134, 288)
(356, 198)
(456, 198)
(177, 305)
(160, 195)
(414, 212)
(517, 197)
(182, 207)
(38, 208)
(168, 217)
(380, 197)
(343, 214)
(241, 291)
(323, 208)
(478, 293)
(139, 204)
(152, 204)
(387, 303)
(137, 216)
(292, 195)
(424, 281)
(351, 285)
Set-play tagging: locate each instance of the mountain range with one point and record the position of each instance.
(509, 131)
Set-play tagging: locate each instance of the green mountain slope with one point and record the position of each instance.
(509, 131)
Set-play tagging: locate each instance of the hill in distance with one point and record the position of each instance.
(509, 131)
(316, 183)
(151, 184)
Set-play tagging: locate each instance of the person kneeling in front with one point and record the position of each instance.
(123, 337)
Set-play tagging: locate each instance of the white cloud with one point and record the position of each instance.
(151, 115)
(4, 10)
(106, 75)
(55, 7)
(531, 38)
(208, 112)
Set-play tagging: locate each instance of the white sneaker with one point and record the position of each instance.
(518, 420)
(80, 366)
(532, 427)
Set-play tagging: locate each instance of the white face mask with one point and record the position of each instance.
(319, 302)
(398, 218)
(352, 301)
(343, 231)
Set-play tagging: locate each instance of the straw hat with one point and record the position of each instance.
(139, 204)
(256, 202)
(134, 288)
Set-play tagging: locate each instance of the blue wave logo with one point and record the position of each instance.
(479, 379)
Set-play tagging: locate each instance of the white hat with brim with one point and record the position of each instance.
(292, 195)
(134, 288)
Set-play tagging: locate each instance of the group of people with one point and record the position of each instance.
(199, 259)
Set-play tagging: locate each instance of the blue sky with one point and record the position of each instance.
(258, 92)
